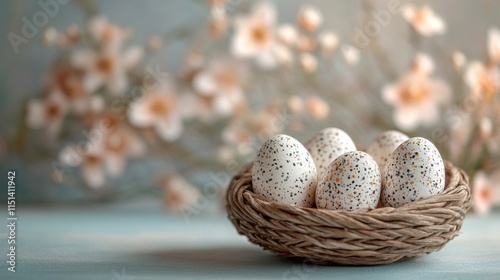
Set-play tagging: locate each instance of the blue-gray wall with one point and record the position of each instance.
(21, 74)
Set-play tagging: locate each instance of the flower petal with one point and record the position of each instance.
(288, 34)
(83, 58)
(54, 127)
(79, 105)
(115, 164)
(474, 70)
(36, 114)
(132, 57)
(93, 176)
(265, 12)
(118, 84)
(240, 47)
(329, 41)
(406, 118)
(169, 129)
(267, 60)
(442, 91)
(482, 193)
(351, 54)
(70, 156)
(136, 146)
(390, 94)
(92, 81)
(205, 84)
(408, 12)
(139, 114)
(429, 114)
(433, 26)
(494, 44)
(423, 64)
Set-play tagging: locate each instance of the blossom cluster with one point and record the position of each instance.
(242, 75)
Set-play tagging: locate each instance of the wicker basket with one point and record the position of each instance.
(361, 237)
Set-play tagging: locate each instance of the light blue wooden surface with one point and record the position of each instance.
(141, 241)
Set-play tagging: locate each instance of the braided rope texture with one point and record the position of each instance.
(360, 237)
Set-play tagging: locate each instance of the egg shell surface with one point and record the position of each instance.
(284, 171)
(414, 171)
(384, 144)
(351, 182)
(327, 145)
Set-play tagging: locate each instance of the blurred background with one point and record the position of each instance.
(105, 101)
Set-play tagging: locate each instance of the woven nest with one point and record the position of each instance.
(361, 237)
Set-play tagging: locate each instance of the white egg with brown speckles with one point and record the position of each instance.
(384, 144)
(284, 171)
(351, 182)
(327, 145)
(414, 171)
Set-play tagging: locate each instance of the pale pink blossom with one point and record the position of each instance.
(351, 54)
(459, 60)
(328, 41)
(107, 34)
(69, 82)
(106, 68)
(90, 159)
(221, 83)
(423, 64)
(48, 112)
(160, 110)
(194, 59)
(296, 104)
(416, 97)
(283, 55)
(237, 134)
(424, 20)
(50, 36)
(306, 43)
(317, 107)
(287, 34)
(70, 37)
(179, 196)
(118, 146)
(268, 121)
(155, 43)
(218, 22)
(242, 133)
(485, 128)
(483, 81)
(96, 104)
(460, 133)
(310, 18)
(494, 45)
(254, 35)
(225, 153)
(482, 193)
(308, 62)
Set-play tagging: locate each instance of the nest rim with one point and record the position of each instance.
(360, 237)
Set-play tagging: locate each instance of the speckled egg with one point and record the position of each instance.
(415, 170)
(327, 145)
(351, 182)
(384, 144)
(284, 171)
